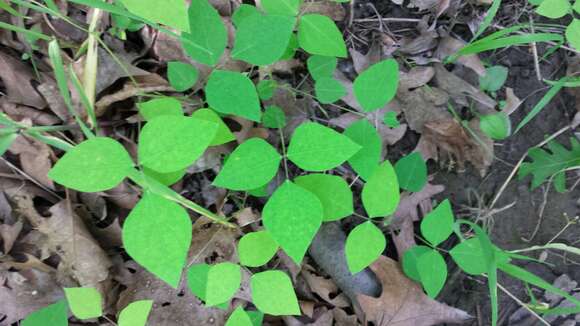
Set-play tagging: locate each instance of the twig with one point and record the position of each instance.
(523, 305)
(535, 53)
(392, 20)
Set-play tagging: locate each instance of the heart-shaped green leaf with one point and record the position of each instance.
(364, 244)
(231, 92)
(377, 85)
(208, 37)
(273, 293)
(380, 195)
(332, 191)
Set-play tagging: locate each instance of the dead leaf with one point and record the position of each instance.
(427, 39)
(20, 112)
(416, 77)
(402, 301)
(34, 159)
(246, 216)
(423, 105)
(449, 45)
(460, 91)
(296, 110)
(416, 203)
(388, 135)
(341, 318)
(324, 287)
(16, 77)
(362, 61)
(423, 4)
(331, 9)
(512, 102)
(8, 234)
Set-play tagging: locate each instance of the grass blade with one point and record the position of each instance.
(485, 44)
(84, 99)
(28, 32)
(489, 16)
(542, 103)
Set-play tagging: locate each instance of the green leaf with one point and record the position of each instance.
(168, 178)
(377, 85)
(231, 92)
(380, 195)
(159, 107)
(197, 278)
(318, 34)
(410, 259)
(332, 191)
(5, 141)
(252, 164)
(321, 66)
(257, 317)
(273, 293)
(291, 49)
(554, 8)
(262, 39)
(223, 280)
(136, 313)
(411, 172)
(157, 235)
(173, 13)
(493, 79)
(468, 255)
(224, 134)
(315, 147)
(573, 33)
(365, 161)
(182, 76)
(433, 272)
(281, 7)
(53, 315)
(266, 88)
(244, 11)
(497, 126)
(329, 90)
(364, 244)
(274, 117)
(546, 163)
(390, 119)
(292, 215)
(170, 143)
(576, 6)
(239, 318)
(256, 248)
(97, 164)
(208, 38)
(437, 226)
(85, 303)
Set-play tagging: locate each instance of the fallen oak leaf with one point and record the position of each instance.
(402, 301)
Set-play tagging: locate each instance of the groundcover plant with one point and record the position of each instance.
(287, 162)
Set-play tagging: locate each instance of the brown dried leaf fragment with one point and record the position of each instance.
(16, 77)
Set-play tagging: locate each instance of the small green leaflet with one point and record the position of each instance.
(239, 318)
(573, 33)
(332, 191)
(576, 6)
(433, 272)
(208, 38)
(85, 303)
(412, 172)
(167, 179)
(321, 66)
(252, 164)
(390, 119)
(97, 164)
(281, 7)
(318, 34)
(380, 195)
(244, 11)
(273, 293)
(364, 244)
(157, 235)
(274, 117)
(135, 314)
(256, 248)
(262, 39)
(160, 106)
(5, 141)
(410, 259)
(224, 134)
(266, 88)
(291, 49)
(170, 143)
(377, 85)
(54, 315)
(182, 76)
(494, 78)
(554, 8)
(231, 92)
(315, 147)
(173, 13)
(496, 126)
(329, 90)
(470, 257)
(365, 161)
(437, 226)
(257, 317)
(292, 215)
(214, 284)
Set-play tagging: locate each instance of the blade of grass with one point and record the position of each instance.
(489, 16)
(6, 7)
(92, 59)
(25, 31)
(558, 246)
(50, 4)
(84, 99)
(485, 45)
(541, 104)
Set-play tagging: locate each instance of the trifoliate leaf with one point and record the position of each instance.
(315, 147)
(97, 164)
(410, 259)
(365, 161)
(262, 39)
(433, 272)
(160, 106)
(256, 248)
(208, 38)
(493, 79)
(412, 172)
(321, 66)
(318, 34)
(171, 143)
(266, 88)
(54, 315)
(281, 7)
(380, 195)
(157, 235)
(239, 318)
(174, 13)
(224, 134)
(85, 303)
(437, 226)
(292, 216)
(554, 8)
(497, 126)
(274, 117)
(182, 76)
(332, 191)
(329, 90)
(364, 244)
(273, 294)
(252, 164)
(573, 33)
(231, 92)
(136, 313)
(377, 85)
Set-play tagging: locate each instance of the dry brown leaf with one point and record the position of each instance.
(423, 105)
(426, 40)
(416, 77)
(20, 112)
(402, 301)
(388, 135)
(324, 287)
(462, 92)
(296, 110)
(8, 234)
(412, 204)
(512, 102)
(362, 61)
(341, 318)
(246, 216)
(331, 9)
(449, 45)
(16, 77)
(34, 159)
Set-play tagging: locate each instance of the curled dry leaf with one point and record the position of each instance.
(324, 287)
(402, 302)
(512, 102)
(450, 45)
(16, 77)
